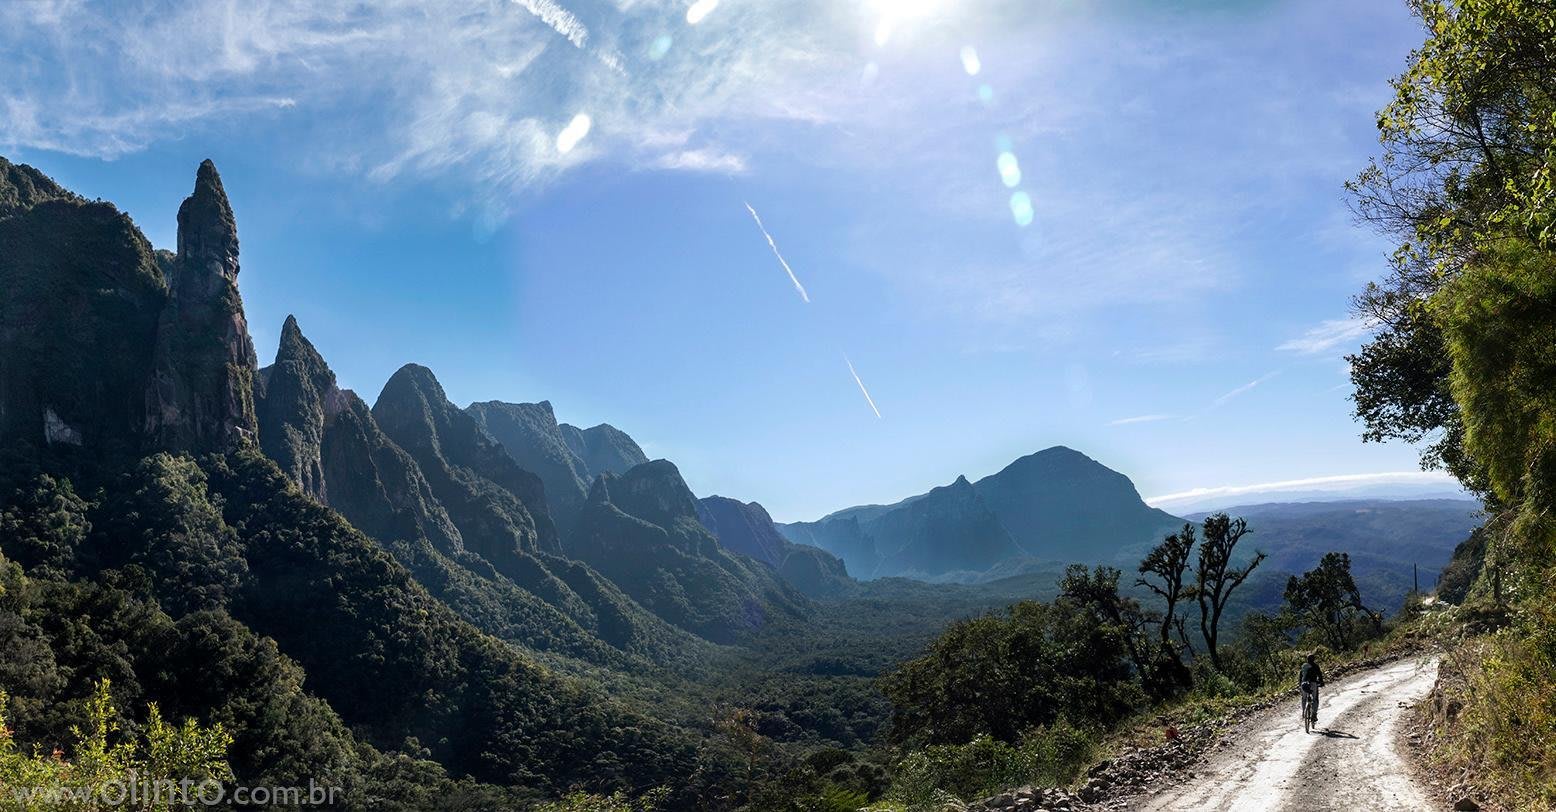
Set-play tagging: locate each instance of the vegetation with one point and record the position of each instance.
(1467, 320)
(102, 767)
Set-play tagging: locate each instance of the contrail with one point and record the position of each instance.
(792, 277)
(560, 19)
(867, 398)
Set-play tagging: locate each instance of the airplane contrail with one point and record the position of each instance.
(792, 277)
(851, 371)
(560, 19)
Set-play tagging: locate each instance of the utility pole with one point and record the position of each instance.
(1415, 573)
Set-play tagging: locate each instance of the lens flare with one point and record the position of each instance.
(700, 10)
(1021, 208)
(970, 61)
(574, 132)
(1010, 169)
(985, 94)
(659, 47)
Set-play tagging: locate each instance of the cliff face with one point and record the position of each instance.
(110, 345)
(201, 393)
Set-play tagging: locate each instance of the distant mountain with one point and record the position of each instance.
(1056, 505)
(1384, 538)
(747, 529)
(641, 530)
(1414, 486)
(530, 434)
(603, 449)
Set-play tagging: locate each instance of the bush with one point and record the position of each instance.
(1050, 756)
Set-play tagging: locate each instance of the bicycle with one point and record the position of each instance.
(1309, 706)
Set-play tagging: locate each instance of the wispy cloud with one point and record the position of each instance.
(1328, 335)
(1245, 388)
(864, 391)
(706, 159)
(1335, 482)
(785, 263)
(1144, 418)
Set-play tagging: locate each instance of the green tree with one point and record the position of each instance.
(43, 526)
(1169, 562)
(102, 764)
(1215, 575)
(1326, 598)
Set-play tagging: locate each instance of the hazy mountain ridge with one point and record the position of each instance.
(1053, 505)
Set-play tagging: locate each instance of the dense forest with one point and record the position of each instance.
(217, 571)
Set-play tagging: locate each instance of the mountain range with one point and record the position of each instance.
(476, 606)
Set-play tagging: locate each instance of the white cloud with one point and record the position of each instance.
(1337, 482)
(1328, 335)
(703, 160)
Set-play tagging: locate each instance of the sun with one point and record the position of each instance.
(889, 14)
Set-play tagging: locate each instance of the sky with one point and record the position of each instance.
(816, 252)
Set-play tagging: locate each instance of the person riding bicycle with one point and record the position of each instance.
(1309, 679)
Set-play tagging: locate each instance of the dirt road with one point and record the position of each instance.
(1349, 762)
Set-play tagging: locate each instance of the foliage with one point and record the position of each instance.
(1002, 675)
(102, 764)
(1326, 598)
(1215, 576)
(43, 526)
(1465, 186)
(1052, 756)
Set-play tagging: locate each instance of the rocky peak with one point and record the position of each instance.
(298, 397)
(207, 231)
(655, 493)
(201, 395)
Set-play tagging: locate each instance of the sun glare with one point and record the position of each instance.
(891, 14)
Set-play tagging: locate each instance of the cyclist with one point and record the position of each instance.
(1309, 679)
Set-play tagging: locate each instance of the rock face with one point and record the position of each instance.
(641, 531)
(747, 529)
(499, 508)
(531, 436)
(200, 397)
(81, 294)
(1054, 505)
(298, 396)
(602, 449)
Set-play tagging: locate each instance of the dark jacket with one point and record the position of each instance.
(1310, 673)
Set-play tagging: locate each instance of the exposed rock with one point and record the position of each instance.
(81, 292)
(200, 397)
(56, 430)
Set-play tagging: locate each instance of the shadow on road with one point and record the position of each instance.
(1335, 734)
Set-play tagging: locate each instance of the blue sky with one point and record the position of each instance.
(417, 184)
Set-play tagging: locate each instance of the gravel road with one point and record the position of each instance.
(1348, 763)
